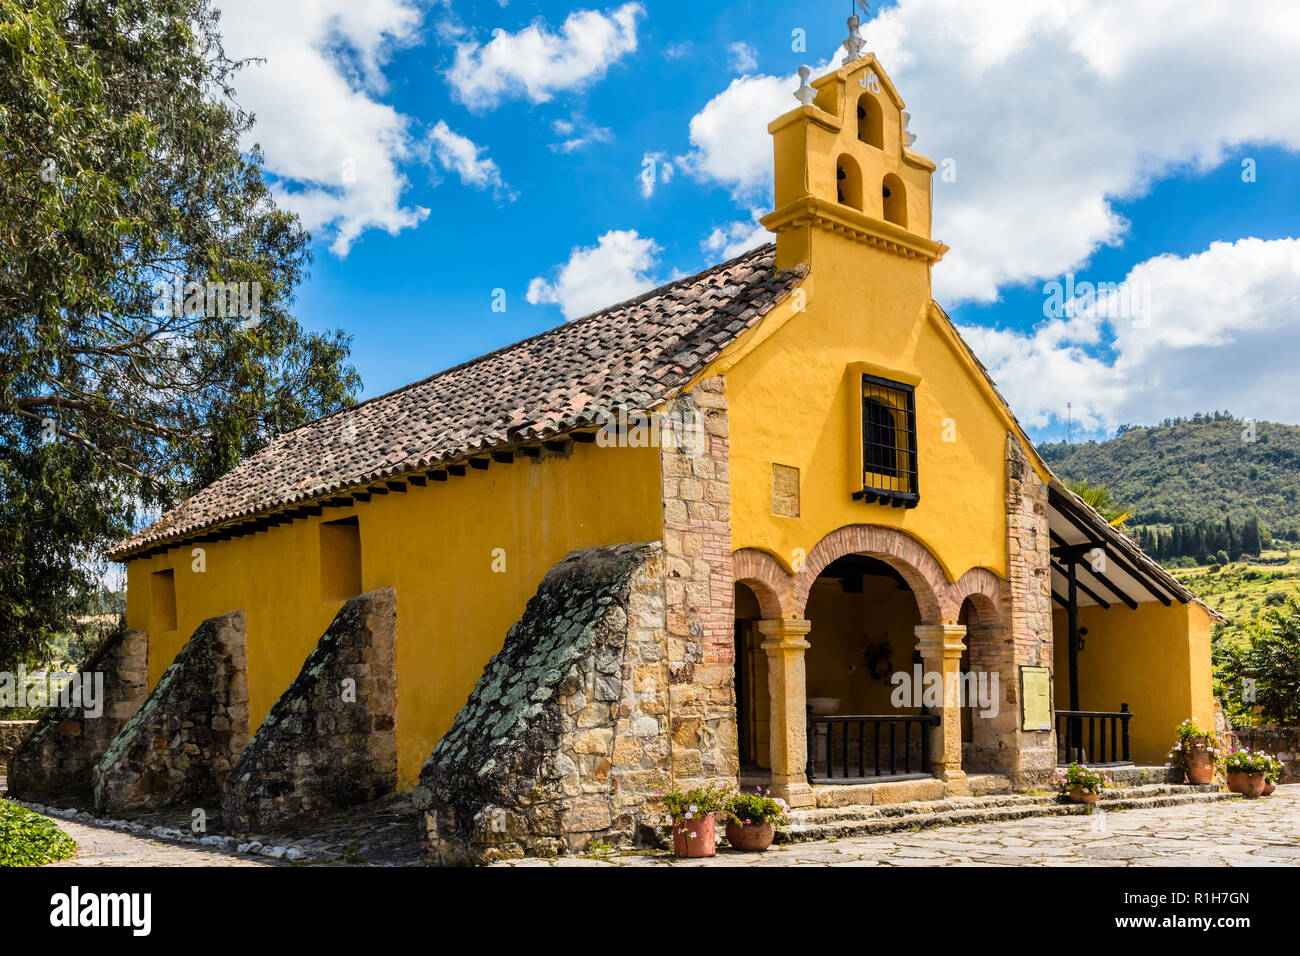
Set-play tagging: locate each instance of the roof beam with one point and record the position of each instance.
(1106, 582)
(1067, 510)
(1065, 573)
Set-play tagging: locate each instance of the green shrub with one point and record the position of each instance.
(28, 839)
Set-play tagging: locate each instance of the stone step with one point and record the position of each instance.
(861, 821)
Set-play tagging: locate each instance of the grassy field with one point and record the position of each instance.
(1241, 589)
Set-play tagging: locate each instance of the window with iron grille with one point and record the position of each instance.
(888, 443)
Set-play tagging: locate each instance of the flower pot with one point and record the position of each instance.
(1200, 765)
(1269, 787)
(1079, 796)
(692, 838)
(750, 837)
(1246, 784)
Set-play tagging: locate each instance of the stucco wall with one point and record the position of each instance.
(796, 401)
(435, 546)
(1155, 659)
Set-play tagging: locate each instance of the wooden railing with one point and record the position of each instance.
(849, 746)
(1113, 725)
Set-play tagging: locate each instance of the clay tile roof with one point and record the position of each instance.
(638, 353)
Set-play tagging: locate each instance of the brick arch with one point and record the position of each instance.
(900, 551)
(770, 582)
(985, 591)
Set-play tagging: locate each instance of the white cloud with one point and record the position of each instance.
(1213, 330)
(743, 57)
(621, 265)
(536, 61)
(459, 154)
(1051, 109)
(578, 132)
(334, 149)
(655, 168)
(730, 240)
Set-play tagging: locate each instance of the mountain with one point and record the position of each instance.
(1195, 471)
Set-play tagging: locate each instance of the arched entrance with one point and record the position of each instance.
(869, 720)
(868, 604)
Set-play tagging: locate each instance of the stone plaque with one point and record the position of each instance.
(1035, 698)
(785, 491)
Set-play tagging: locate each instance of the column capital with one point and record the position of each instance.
(934, 640)
(785, 632)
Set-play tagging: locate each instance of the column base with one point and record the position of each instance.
(955, 779)
(795, 794)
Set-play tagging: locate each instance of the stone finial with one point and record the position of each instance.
(853, 43)
(908, 136)
(805, 94)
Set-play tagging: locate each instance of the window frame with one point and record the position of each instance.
(898, 498)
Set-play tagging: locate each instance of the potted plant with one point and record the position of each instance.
(1081, 784)
(1245, 770)
(752, 819)
(1272, 775)
(692, 815)
(1195, 753)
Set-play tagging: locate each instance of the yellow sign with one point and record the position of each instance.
(1035, 698)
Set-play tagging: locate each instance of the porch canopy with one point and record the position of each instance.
(1094, 565)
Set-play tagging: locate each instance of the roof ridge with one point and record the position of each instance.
(566, 324)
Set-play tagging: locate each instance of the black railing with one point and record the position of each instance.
(1102, 725)
(869, 744)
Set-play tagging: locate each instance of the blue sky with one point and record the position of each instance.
(435, 164)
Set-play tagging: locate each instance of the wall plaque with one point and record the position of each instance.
(1035, 698)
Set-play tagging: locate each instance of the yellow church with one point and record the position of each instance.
(769, 524)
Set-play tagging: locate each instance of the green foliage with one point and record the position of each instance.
(1083, 779)
(1192, 473)
(1247, 761)
(1261, 680)
(1099, 498)
(746, 808)
(121, 167)
(1191, 737)
(28, 839)
(694, 803)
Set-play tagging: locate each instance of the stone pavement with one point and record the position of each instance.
(1263, 832)
(99, 846)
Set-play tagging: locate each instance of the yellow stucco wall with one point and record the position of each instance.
(795, 400)
(795, 383)
(1155, 659)
(434, 545)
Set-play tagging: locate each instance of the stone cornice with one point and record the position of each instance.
(858, 226)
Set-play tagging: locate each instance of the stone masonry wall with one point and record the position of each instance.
(699, 584)
(12, 733)
(1028, 757)
(1282, 742)
(59, 756)
(189, 732)
(567, 730)
(330, 740)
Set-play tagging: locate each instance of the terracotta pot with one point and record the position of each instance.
(1246, 784)
(1200, 765)
(750, 837)
(1078, 796)
(692, 838)
(1269, 787)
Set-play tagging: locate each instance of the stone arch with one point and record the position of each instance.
(903, 553)
(770, 582)
(985, 591)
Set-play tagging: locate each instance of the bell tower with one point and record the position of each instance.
(845, 167)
